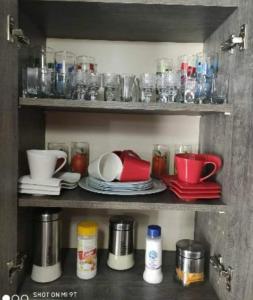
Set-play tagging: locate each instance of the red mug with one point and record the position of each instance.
(190, 166)
(134, 168)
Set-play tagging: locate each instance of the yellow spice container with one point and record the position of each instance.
(87, 249)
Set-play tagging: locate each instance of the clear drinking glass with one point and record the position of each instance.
(220, 88)
(79, 84)
(164, 65)
(147, 87)
(111, 86)
(160, 160)
(92, 65)
(65, 62)
(48, 73)
(93, 86)
(82, 63)
(127, 82)
(168, 87)
(163, 85)
(31, 73)
(79, 157)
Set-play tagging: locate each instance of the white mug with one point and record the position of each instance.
(42, 162)
(106, 167)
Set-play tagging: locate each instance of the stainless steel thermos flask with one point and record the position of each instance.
(47, 244)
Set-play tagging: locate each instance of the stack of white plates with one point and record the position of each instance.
(148, 187)
(119, 186)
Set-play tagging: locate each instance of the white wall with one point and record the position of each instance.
(106, 132)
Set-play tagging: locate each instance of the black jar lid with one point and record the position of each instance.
(190, 249)
(121, 222)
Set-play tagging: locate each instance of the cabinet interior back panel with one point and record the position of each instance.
(107, 132)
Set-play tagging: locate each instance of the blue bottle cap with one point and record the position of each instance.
(154, 231)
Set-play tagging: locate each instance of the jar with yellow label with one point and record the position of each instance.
(87, 249)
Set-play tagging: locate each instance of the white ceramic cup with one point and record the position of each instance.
(42, 163)
(106, 167)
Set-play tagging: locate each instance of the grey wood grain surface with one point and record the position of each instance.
(130, 22)
(165, 2)
(8, 147)
(126, 107)
(31, 132)
(80, 198)
(231, 234)
(114, 285)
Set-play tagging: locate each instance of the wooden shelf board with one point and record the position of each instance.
(114, 285)
(143, 20)
(80, 198)
(125, 107)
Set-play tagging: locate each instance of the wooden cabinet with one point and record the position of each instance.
(224, 226)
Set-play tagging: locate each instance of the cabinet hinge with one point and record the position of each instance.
(16, 265)
(15, 34)
(224, 272)
(233, 41)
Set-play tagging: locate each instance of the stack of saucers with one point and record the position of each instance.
(119, 186)
(190, 192)
(51, 186)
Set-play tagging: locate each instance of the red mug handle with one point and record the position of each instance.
(130, 153)
(215, 169)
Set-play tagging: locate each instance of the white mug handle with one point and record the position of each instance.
(60, 154)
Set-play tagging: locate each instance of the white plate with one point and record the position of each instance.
(158, 187)
(119, 184)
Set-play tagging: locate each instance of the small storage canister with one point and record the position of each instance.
(121, 256)
(87, 249)
(189, 261)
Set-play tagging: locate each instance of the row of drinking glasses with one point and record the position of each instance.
(114, 87)
(165, 87)
(47, 73)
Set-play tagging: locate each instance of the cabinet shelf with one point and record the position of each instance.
(114, 285)
(129, 20)
(80, 198)
(126, 107)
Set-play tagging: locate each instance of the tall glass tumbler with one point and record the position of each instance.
(147, 87)
(65, 62)
(79, 85)
(111, 87)
(127, 82)
(93, 86)
(48, 73)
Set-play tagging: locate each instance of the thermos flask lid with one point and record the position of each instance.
(190, 249)
(122, 222)
(47, 214)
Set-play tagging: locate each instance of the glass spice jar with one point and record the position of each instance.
(160, 160)
(79, 157)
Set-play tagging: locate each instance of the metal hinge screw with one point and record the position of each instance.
(16, 265)
(217, 262)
